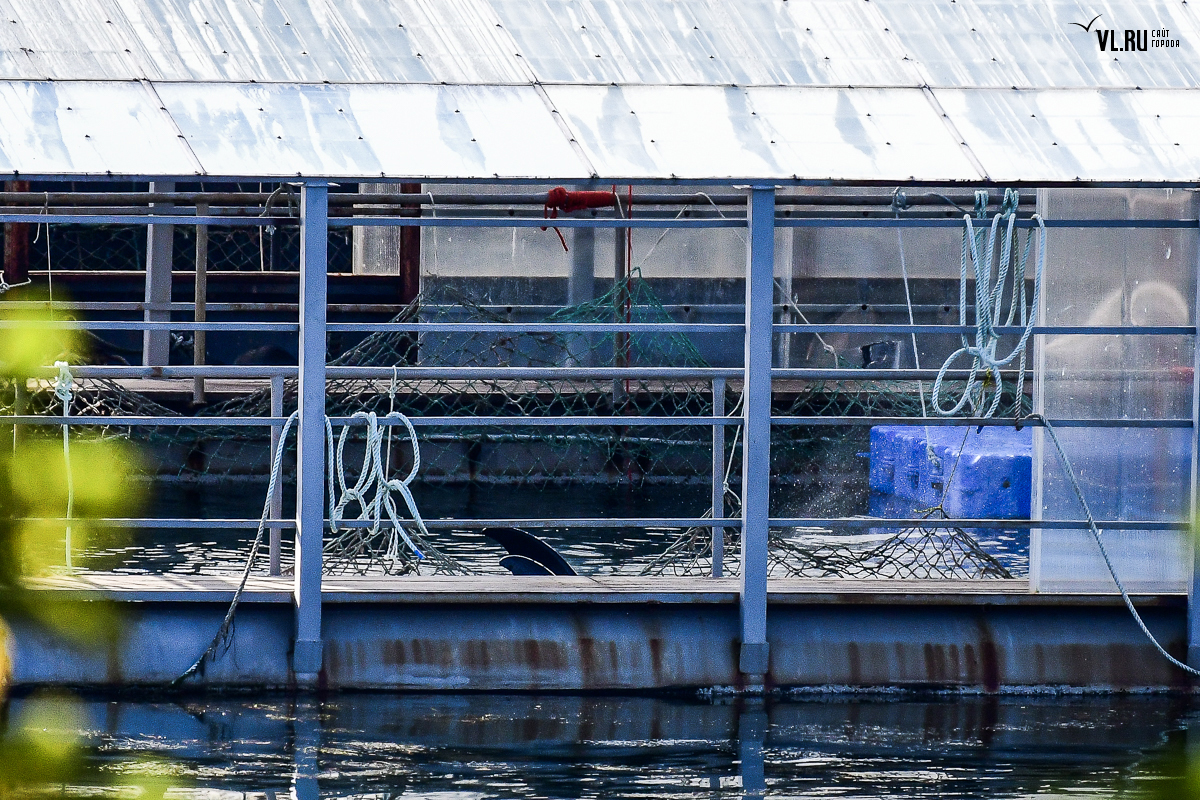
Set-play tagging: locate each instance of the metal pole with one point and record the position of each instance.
(620, 298)
(156, 345)
(310, 450)
(718, 479)
(1038, 500)
(756, 447)
(16, 243)
(277, 495)
(581, 288)
(199, 338)
(581, 284)
(1193, 651)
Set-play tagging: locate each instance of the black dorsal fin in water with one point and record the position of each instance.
(525, 544)
(520, 565)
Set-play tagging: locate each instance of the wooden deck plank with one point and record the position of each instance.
(566, 590)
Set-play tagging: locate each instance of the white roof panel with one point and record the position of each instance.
(349, 41)
(669, 131)
(1054, 135)
(706, 42)
(88, 128)
(731, 132)
(392, 130)
(1005, 44)
(862, 134)
(700, 89)
(64, 39)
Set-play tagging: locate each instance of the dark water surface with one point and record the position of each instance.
(538, 746)
(592, 551)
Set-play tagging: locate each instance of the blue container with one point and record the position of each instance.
(994, 479)
(883, 459)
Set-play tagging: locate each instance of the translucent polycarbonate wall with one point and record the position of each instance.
(669, 252)
(1120, 277)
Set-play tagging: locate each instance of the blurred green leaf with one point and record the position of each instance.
(43, 747)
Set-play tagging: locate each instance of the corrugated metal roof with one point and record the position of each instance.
(568, 89)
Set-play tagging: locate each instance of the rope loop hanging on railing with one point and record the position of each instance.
(373, 489)
(1010, 273)
(64, 390)
(372, 492)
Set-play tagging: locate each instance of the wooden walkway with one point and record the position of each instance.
(556, 590)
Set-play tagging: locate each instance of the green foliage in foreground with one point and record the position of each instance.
(41, 750)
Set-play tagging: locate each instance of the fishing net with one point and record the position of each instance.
(122, 248)
(923, 552)
(562, 455)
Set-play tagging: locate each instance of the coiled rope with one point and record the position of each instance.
(988, 297)
(372, 492)
(1010, 276)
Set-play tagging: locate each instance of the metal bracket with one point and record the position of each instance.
(754, 658)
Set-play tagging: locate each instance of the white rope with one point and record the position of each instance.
(372, 492)
(223, 633)
(63, 390)
(5, 285)
(1104, 551)
(930, 453)
(988, 308)
(434, 233)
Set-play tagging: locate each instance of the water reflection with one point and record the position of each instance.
(537, 746)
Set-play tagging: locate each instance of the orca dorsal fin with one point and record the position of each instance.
(525, 544)
(520, 565)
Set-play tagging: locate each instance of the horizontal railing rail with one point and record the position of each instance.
(651, 522)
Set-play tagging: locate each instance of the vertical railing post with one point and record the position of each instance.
(718, 477)
(200, 338)
(156, 344)
(310, 449)
(756, 447)
(276, 495)
(1193, 651)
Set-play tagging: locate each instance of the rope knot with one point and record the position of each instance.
(64, 384)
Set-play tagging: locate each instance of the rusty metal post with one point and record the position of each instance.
(718, 478)
(16, 243)
(756, 446)
(310, 440)
(410, 250)
(410, 269)
(277, 494)
(199, 338)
